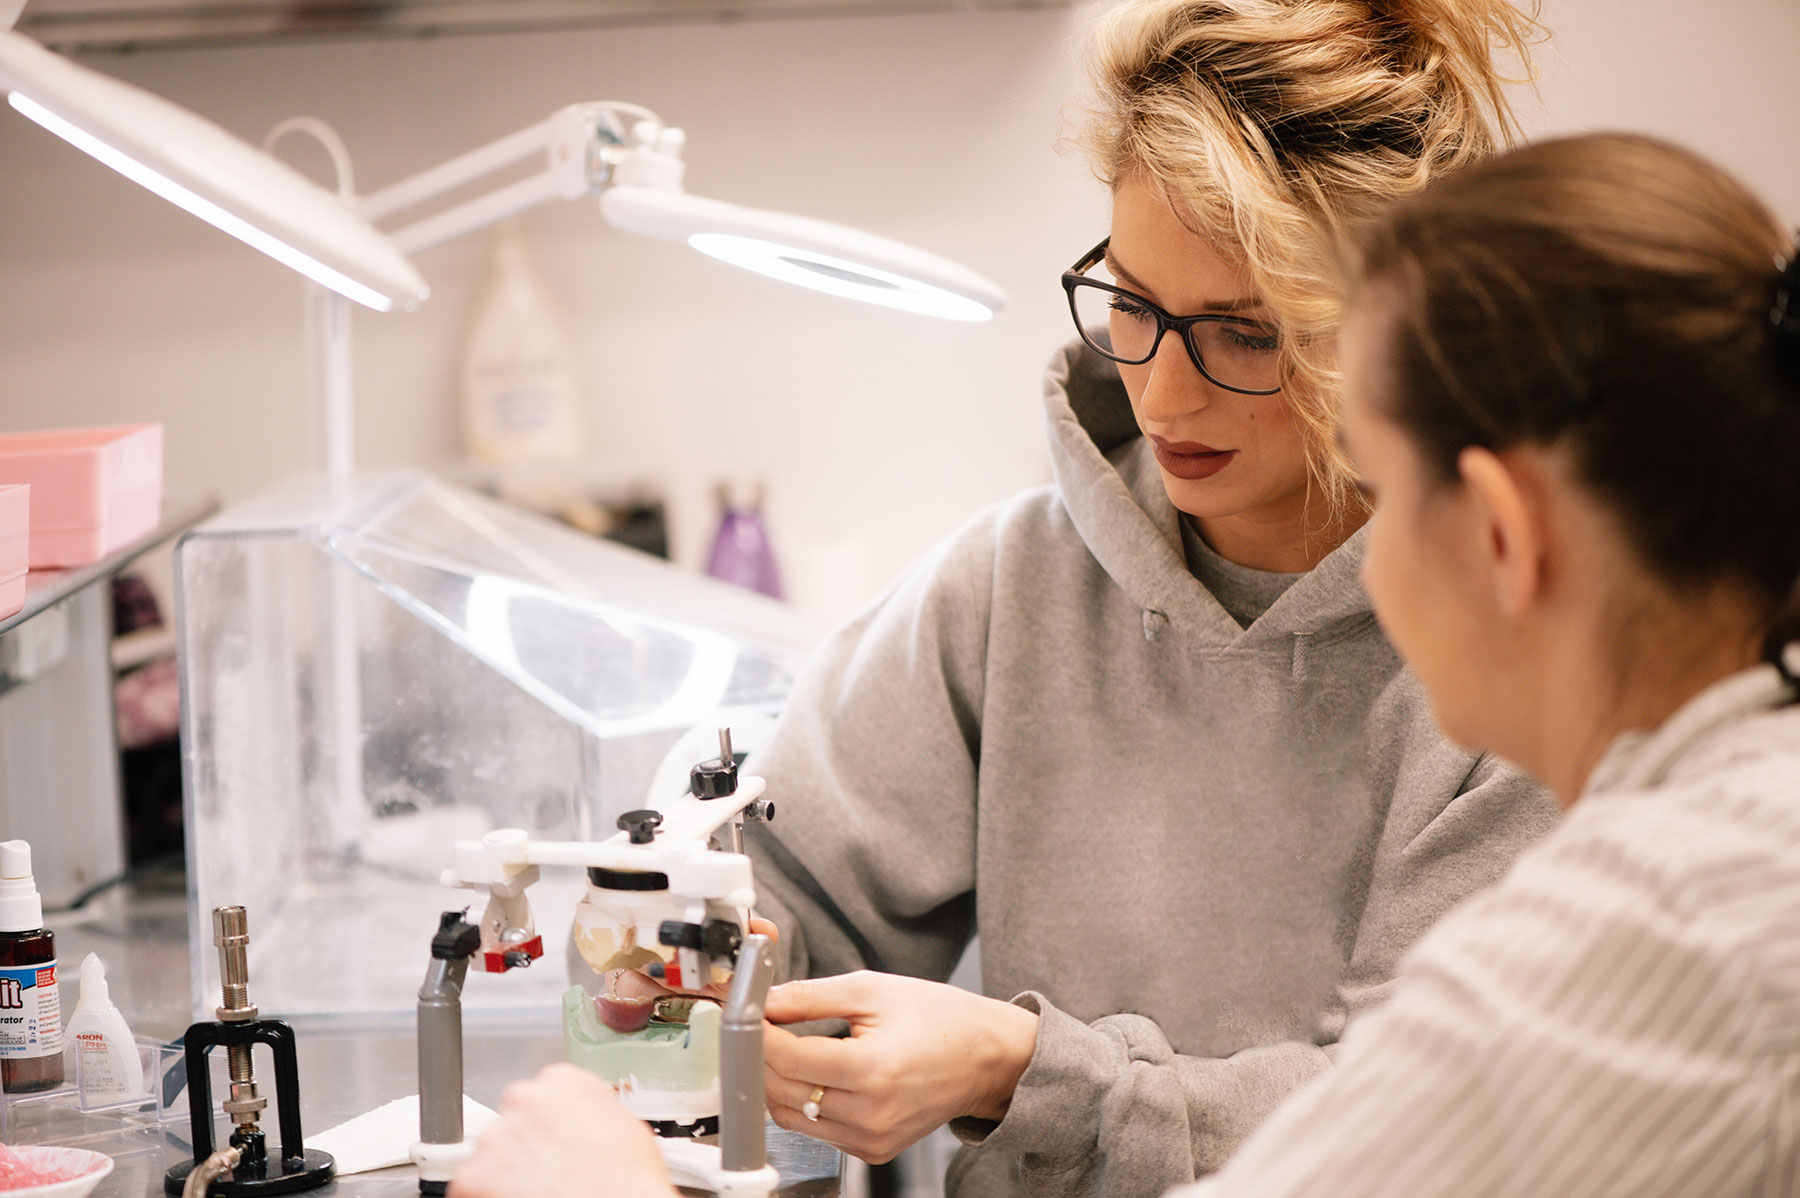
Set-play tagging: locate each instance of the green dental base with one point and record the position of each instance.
(663, 1056)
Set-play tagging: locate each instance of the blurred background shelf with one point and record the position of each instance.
(44, 589)
(60, 783)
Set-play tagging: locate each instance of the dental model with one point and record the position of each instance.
(670, 895)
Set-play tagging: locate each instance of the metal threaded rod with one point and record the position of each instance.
(231, 933)
(242, 1069)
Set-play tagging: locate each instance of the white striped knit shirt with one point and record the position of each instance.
(1619, 1015)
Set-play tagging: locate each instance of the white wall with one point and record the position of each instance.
(1717, 75)
(876, 432)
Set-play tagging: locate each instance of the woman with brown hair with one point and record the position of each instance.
(1572, 381)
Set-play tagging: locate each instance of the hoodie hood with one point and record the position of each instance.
(1113, 490)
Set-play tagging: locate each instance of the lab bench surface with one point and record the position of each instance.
(143, 940)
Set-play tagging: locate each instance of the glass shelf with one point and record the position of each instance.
(44, 589)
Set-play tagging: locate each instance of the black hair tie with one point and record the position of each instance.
(1784, 313)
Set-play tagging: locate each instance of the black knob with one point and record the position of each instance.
(516, 958)
(714, 779)
(676, 933)
(456, 938)
(716, 937)
(720, 938)
(641, 824)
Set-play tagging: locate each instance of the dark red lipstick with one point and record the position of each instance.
(1190, 460)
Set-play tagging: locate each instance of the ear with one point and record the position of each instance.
(1512, 543)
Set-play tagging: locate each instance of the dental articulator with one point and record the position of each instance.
(670, 895)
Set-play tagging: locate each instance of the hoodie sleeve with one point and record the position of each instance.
(1111, 1108)
(1599, 1023)
(870, 863)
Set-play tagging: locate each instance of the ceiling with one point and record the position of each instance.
(119, 25)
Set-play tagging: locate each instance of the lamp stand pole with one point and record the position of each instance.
(328, 383)
(334, 438)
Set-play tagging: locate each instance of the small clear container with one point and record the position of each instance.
(64, 1117)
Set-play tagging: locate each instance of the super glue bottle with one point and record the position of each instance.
(106, 1058)
(31, 1033)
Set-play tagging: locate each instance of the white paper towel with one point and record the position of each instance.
(384, 1137)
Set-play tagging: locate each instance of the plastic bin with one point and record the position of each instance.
(15, 550)
(370, 675)
(92, 489)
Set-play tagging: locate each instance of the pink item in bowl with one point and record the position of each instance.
(15, 553)
(32, 1172)
(92, 489)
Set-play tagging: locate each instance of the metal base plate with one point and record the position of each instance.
(280, 1178)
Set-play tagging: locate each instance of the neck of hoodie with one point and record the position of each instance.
(1243, 591)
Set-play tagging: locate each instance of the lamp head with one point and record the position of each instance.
(808, 253)
(199, 166)
(643, 195)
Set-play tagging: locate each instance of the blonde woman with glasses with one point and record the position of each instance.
(1139, 729)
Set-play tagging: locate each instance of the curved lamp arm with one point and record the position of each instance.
(569, 143)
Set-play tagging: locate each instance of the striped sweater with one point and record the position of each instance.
(1620, 1015)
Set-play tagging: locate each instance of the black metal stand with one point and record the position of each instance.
(296, 1169)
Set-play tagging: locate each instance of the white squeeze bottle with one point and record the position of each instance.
(107, 1065)
(520, 389)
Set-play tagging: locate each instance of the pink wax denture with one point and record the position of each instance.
(624, 1014)
(15, 552)
(93, 490)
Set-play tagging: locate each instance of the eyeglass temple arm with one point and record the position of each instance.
(1090, 258)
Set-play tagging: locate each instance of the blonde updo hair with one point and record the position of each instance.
(1275, 126)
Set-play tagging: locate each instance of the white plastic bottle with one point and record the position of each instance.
(107, 1067)
(520, 390)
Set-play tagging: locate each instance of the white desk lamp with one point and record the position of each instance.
(636, 168)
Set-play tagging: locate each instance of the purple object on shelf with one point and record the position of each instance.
(741, 552)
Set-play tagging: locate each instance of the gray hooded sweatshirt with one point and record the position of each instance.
(1195, 849)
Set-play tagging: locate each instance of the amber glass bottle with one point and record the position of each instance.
(31, 1038)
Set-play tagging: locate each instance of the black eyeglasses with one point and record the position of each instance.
(1233, 352)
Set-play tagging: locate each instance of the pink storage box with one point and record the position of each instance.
(15, 553)
(92, 489)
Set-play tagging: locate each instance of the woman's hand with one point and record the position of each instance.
(919, 1055)
(564, 1134)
